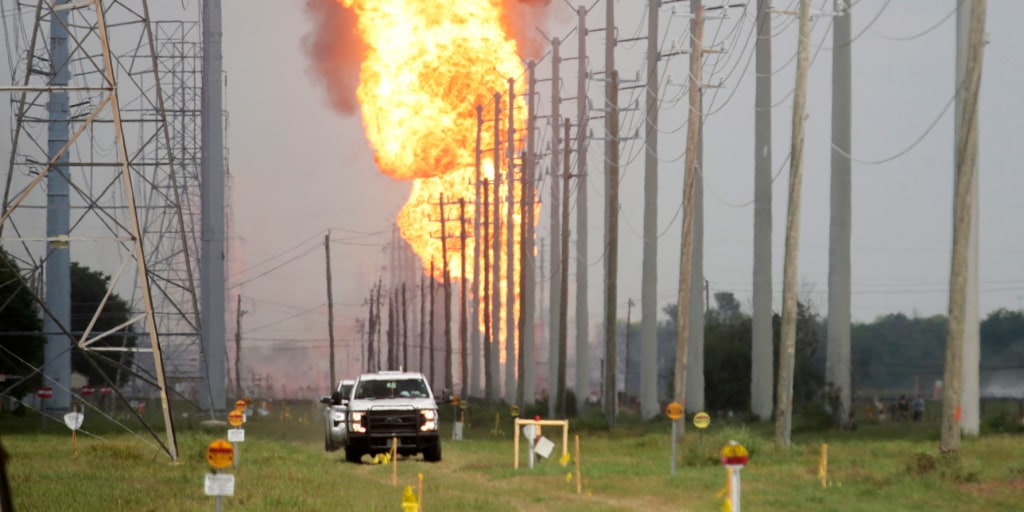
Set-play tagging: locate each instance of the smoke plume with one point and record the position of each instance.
(335, 51)
(522, 18)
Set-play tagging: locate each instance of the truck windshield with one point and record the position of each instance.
(392, 388)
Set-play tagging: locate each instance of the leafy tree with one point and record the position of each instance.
(22, 344)
(87, 290)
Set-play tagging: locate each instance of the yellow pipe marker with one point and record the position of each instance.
(419, 477)
(579, 480)
(823, 466)
(394, 461)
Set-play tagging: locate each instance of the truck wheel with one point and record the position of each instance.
(329, 445)
(433, 453)
(352, 455)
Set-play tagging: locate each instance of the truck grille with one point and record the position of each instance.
(392, 422)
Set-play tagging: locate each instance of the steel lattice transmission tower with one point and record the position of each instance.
(103, 172)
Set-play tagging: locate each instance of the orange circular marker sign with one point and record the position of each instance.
(701, 420)
(220, 454)
(235, 418)
(674, 411)
(240, 405)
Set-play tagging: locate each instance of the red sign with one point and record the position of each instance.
(44, 392)
(105, 390)
(88, 390)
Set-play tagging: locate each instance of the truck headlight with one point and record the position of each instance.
(357, 422)
(429, 420)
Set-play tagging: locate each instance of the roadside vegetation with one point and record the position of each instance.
(282, 466)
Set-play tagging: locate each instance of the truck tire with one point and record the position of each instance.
(433, 453)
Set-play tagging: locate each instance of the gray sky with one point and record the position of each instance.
(300, 169)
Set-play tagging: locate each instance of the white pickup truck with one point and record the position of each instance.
(387, 406)
(335, 415)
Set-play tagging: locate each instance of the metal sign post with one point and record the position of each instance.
(674, 411)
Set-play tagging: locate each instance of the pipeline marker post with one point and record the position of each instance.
(74, 421)
(394, 461)
(579, 478)
(419, 478)
(734, 457)
(701, 420)
(220, 454)
(674, 411)
(823, 466)
(235, 419)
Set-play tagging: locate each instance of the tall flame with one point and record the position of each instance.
(427, 65)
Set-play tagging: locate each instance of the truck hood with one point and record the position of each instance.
(384, 404)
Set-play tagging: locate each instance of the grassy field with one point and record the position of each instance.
(282, 466)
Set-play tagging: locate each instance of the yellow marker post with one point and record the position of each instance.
(579, 478)
(823, 466)
(419, 477)
(394, 461)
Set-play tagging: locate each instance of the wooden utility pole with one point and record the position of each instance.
(496, 254)
(392, 327)
(479, 246)
(563, 307)
(649, 406)
(463, 290)
(964, 212)
(238, 347)
(510, 263)
(555, 205)
(371, 326)
(582, 217)
(762, 359)
(447, 301)
(330, 308)
(423, 319)
(689, 178)
(488, 375)
(787, 352)
(625, 356)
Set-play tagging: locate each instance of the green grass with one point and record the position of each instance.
(282, 466)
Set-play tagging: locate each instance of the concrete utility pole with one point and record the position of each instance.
(57, 351)
(510, 267)
(837, 360)
(563, 307)
(488, 348)
(479, 246)
(787, 352)
(582, 237)
(463, 314)
(611, 209)
(612, 258)
(625, 371)
(371, 327)
(554, 296)
(649, 406)
(211, 253)
(496, 253)
(330, 310)
(961, 363)
(448, 384)
(762, 358)
(528, 347)
(405, 331)
(689, 178)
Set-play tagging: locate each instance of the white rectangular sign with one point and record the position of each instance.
(74, 420)
(219, 484)
(236, 435)
(544, 447)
